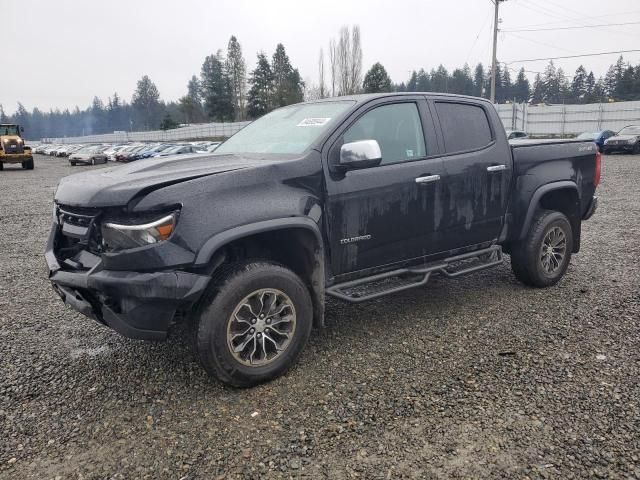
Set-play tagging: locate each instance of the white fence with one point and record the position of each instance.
(190, 132)
(569, 119)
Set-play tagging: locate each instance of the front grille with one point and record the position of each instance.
(13, 146)
(79, 231)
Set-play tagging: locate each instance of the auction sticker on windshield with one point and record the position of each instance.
(313, 122)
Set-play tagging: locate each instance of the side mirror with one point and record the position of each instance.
(361, 154)
(21, 129)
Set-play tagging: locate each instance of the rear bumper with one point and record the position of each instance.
(593, 206)
(134, 304)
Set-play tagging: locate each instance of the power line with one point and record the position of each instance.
(538, 42)
(628, 12)
(572, 56)
(569, 28)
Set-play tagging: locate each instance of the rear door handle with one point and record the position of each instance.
(496, 168)
(428, 179)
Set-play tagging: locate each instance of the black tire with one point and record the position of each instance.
(526, 255)
(93, 161)
(229, 290)
(636, 148)
(28, 164)
(73, 164)
(1, 166)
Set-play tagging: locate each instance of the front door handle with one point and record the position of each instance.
(496, 168)
(428, 179)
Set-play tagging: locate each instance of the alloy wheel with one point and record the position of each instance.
(261, 327)
(553, 250)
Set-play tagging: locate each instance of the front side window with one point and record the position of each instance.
(464, 127)
(397, 129)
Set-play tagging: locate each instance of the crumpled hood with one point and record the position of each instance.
(117, 186)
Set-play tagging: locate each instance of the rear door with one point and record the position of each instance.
(386, 214)
(478, 171)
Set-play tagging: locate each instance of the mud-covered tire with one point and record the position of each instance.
(28, 164)
(527, 256)
(214, 318)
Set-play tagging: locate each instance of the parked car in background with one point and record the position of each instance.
(626, 140)
(598, 137)
(113, 150)
(90, 155)
(516, 134)
(212, 147)
(177, 150)
(128, 153)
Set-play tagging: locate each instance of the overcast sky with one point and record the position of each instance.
(60, 53)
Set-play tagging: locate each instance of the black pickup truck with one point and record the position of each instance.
(352, 197)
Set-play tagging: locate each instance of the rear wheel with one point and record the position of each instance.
(28, 164)
(93, 161)
(73, 164)
(1, 166)
(542, 258)
(253, 323)
(636, 148)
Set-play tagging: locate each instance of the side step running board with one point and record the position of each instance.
(487, 258)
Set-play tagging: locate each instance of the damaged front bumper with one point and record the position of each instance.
(135, 304)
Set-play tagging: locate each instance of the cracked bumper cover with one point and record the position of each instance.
(134, 304)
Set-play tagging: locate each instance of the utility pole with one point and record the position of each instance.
(494, 63)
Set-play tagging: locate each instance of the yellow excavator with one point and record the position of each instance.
(12, 147)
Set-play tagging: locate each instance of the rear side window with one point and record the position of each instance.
(464, 127)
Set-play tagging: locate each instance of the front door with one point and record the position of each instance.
(385, 214)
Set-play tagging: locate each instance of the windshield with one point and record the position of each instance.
(286, 130)
(588, 136)
(633, 130)
(9, 130)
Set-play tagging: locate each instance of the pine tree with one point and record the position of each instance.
(261, 92)
(287, 84)
(589, 88)
(461, 81)
(423, 83)
(479, 80)
(3, 116)
(412, 85)
(551, 84)
(146, 103)
(376, 80)
(505, 93)
(168, 123)
(440, 79)
(216, 88)
(610, 82)
(579, 85)
(191, 104)
(537, 95)
(522, 88)
(237, 71)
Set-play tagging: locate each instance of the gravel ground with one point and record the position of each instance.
(474, 377)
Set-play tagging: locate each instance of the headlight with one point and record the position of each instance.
(117, 236)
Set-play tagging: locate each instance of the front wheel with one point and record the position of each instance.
(253, 323)
(542, 258)
(28, 164)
